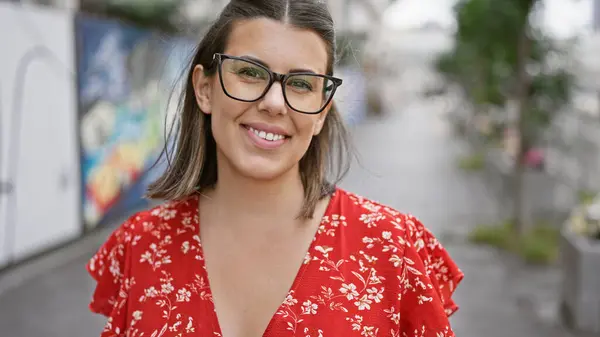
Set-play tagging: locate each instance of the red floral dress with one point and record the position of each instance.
(370, 271)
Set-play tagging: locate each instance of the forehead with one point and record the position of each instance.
(279, 45)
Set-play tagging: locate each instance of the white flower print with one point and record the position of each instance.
(115, 269)
(289, 314)
(324, 250)
(371, 219)
(183, 295)
(375, 295)
(307, 258)
(165, 212)
(349, 290)
(356, 322)
(166, 288)
(393, 315)
(309, 308)
(419, 244)
(189, 328)
(185, 247)
(290, 300)
(158, 254)
(200, 287)
(395, 260)
(369, 331)
(369, 242)
(363, 303)
(368, 264)
(149, 293)
(137, 315)
(423, 299)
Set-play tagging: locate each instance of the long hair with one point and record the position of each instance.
(193, 167)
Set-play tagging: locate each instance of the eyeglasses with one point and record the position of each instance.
(248, 81)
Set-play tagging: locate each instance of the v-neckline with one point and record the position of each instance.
(297, 279)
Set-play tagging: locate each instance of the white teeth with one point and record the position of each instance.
(268, 136)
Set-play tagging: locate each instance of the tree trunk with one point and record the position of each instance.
(523, 85)
(519, 208)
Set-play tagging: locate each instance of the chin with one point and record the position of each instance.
(263, 169)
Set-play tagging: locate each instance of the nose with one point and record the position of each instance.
(273, 101)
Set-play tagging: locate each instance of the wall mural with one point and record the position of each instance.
(128, 83)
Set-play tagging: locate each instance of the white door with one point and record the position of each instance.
(40, 154)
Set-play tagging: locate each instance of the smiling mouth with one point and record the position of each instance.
(269, 136)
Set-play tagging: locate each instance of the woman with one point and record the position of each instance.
(254, 240)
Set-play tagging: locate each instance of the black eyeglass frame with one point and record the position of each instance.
(273, 77)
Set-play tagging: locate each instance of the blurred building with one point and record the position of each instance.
(351, 16)
(357, 16)
(67, 4)
(597, 15)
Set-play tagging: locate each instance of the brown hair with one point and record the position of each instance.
(194, 166)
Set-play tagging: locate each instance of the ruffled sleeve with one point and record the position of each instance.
(428, 278)
(110, 268)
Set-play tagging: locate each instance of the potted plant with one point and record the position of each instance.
(580, 250)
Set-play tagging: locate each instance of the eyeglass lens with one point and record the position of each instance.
(247, 81)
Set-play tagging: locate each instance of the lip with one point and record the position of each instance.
(260, 142)
(267, 128)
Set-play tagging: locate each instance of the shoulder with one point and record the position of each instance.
(111, 264)
(373, 216)
(165, 219)
(418, 255)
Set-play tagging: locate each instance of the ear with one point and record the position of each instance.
(202, 89)
(321, 121)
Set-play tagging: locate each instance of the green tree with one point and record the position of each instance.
(499, 58)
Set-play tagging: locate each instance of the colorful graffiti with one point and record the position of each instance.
(127, 83)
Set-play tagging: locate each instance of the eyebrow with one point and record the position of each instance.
(261, 62)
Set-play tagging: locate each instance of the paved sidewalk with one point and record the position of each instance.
(411, 164)
(498, 300)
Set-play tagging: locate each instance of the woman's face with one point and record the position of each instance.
(240, 128)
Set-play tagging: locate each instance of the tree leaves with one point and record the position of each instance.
(485, 61)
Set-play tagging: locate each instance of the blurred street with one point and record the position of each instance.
(407, 160)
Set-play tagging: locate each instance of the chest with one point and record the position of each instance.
(331, 289)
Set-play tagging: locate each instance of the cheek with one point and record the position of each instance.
(226, 109)
(305, 124)
(223, 117)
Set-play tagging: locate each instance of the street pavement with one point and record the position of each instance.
(406, 160)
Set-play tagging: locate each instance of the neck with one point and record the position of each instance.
(279, 198)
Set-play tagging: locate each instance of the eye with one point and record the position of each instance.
(251, 72)
(300, 84)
